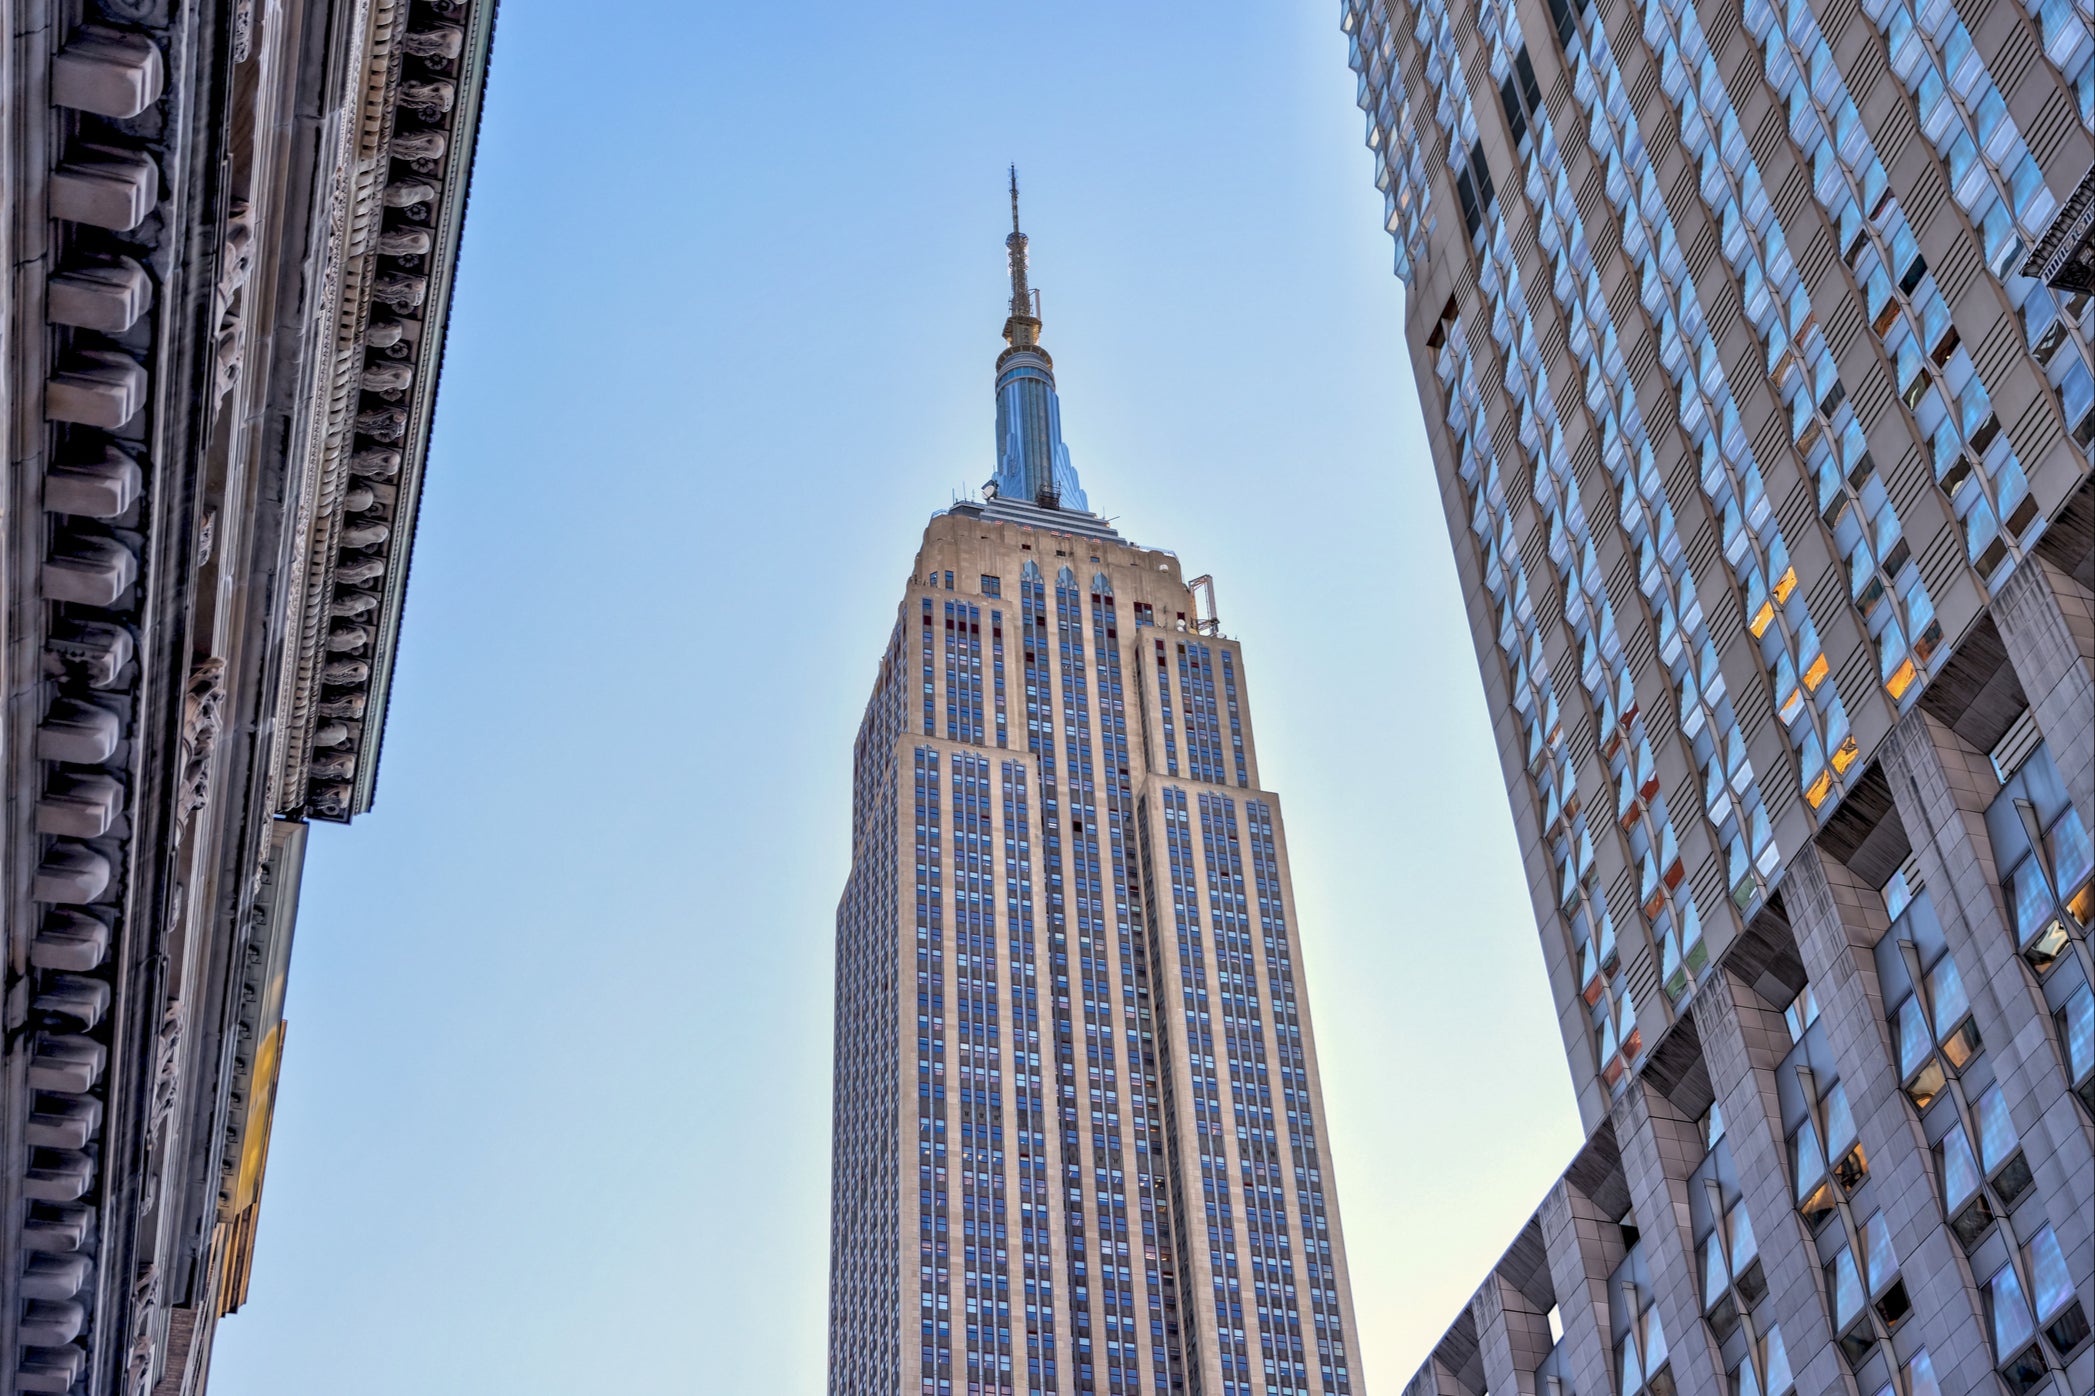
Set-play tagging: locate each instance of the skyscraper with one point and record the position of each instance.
(1764, 452)
(1079, 1139)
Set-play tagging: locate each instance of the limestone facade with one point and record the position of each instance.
(1079, 1134)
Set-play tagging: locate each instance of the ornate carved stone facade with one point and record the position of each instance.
(229, 233)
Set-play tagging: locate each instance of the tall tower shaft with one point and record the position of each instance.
(1079, 1138)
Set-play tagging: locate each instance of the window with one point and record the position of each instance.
(1978, 1186)
(1520, 96)
(1931, 1021)
(2000, 1148)
(1850, 1314)
(1732, 1277)
(2047, 862)
(2050, 890)
(1802, 1012)
(1530, 90)
(2059, 1311)
(1516, 116)
(1641, 1352)
(1825, 1152)
(1765, 1370)
(991, 585)
(1916, 1378)
(1620, 1039)
(1564, 14)
(1887, 1290)
(2014, 1331)
(1729, 1256)
(1933, 1032)
(1473, 186)
(1963, 1188)
(1472, 217)
(1641, 1355)
(1868, 1297)
(2076, 1023)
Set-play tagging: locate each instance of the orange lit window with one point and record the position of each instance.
(1817, 791)
(1816, 674)
(1785, 584)
(1900, 680)
(1844, 755)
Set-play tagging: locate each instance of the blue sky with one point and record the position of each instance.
(555, 1100)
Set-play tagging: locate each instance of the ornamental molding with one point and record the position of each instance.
(402, 164)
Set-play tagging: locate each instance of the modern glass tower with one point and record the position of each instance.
(1079, 1141)
(1763, 438)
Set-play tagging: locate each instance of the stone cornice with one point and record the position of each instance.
(477, 23)
(403, 167)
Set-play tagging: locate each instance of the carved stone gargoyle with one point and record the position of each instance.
(226, 355)
(236, 258)
(167, 1064)
(145, 1330)
(243, 28)
(202, 704)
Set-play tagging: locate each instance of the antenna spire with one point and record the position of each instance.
(1023, 328)
(1032, 463)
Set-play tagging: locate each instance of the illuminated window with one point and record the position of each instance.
(2049, 878)
(1932, 1027)
(1825, 1153)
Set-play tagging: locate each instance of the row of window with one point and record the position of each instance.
(2035, 1319)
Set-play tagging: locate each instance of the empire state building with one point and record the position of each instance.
(1079, 1137)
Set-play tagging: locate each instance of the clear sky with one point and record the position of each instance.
(555, 1100)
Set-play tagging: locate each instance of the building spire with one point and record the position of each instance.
(1032, 463)
(1022, 330)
